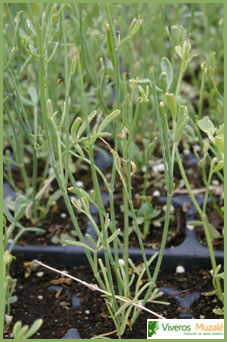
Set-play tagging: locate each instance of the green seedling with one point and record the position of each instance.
(19, 209)
(24, 332)
(146, 215)
(216, 137)
(63, 238)
(177, 34)
(9, 285)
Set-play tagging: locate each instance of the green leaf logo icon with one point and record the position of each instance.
(153, 326)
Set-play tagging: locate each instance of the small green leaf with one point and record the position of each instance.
(55, 240)
(84, 124)
(134, 26)
(79, 244)
(22, 332)
(56, 195)
(72, 190)
(220, 130)
(11, 300)
(107, 222)
(163, 81)
(101, 135)
(113, 236)
(214, 233)
(19, 207)
(75, 126)
(182, 120)
(122, 308)
(206, 125)
(175, 34)
(53, 52)
(110, 44)
(219, 140)
(186, 48)
(167, 68)
(139, 220)
(35, 229)
(108, 120)
(76, 203)
(92, 241)
(17, 18)
(195, 223)
(124, 320)
(33, 94)
(219, 166)
(16, 329)
(79, 150)
(142, 92)
(92, 194)
(219, 311)
(31, 27)
(179, 52)
(171, 102)
(34, 328)
(141, 81)
(82, 192)
(20, 213)
(122, 43)
(26, 101)
(153, 214)
(7, 213)
(145, 209)
(33, 51)
(85, 203)
(7, 258)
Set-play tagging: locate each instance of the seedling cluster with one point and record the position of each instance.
(79, 81)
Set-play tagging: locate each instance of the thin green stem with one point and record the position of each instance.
(66, 109)
(210, 193)
(208, 186)
(146, 157)
(49, 142)
(204, 220)
(138, 232)
(115, 61)
(162, 30)
(179, 79)
(163, 129)
(101, 208)
(201, 95)
(88, 61)
(192, 17)
(186, 182)
(35, 164)
(125, 199)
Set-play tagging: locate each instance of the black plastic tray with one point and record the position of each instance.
(190, 253)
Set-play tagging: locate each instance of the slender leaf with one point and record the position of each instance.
(108, 120)
(79, 244)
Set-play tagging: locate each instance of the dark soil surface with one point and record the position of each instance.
(91, 318)
(176, 232)
(57, 224)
